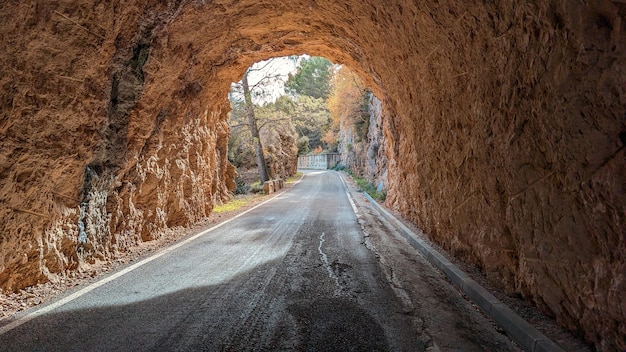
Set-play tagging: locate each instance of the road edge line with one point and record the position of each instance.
(515, 326)
(54, 305)
(345, 187)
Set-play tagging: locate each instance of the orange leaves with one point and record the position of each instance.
(345, 100)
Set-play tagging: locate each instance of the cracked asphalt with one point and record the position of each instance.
(301, 272)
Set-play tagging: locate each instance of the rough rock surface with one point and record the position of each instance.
(101, 146)
(376, 171)
(505, 133)
(281, 151)
(511, 154)
(366, 157)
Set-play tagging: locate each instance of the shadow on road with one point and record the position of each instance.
(246, 313)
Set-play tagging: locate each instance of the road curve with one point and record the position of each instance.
(294, 274)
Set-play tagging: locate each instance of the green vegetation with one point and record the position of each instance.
(311, 118)
(369, 188)
(256, 187)
(362, 118)
(312, 78)
(266, 132)
(294, 178)
(240, 186)
(340, 167)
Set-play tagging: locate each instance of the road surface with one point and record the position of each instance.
(301, 272)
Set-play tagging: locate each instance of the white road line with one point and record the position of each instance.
(345, 185)
(14, 324)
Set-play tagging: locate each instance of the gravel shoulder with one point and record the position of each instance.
(449, 320)
(541, 321)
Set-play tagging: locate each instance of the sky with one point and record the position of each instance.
(269, 90)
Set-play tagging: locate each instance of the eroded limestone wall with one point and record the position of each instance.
(511, 153)
(366, 156)
(505, 133)
(99, 151)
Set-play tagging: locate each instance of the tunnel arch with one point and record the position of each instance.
(505, 130)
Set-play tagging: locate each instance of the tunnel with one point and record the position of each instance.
(505, 126)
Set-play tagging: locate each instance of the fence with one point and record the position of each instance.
(319, 162)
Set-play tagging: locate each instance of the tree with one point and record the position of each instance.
(273, 124)
(240, 150)
(252, 87)
(254, 130)
(303, 145)
(312, 119)
(279, 136)
(270, 134)
(347, 104)
(311, 79)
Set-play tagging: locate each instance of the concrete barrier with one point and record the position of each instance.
(272, 186)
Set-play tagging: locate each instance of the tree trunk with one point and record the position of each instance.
(254, 130)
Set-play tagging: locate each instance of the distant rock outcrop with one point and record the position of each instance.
(365, 155)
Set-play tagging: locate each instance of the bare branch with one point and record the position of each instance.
(272, 120)
(262, 80)
(239, 125)
(267, 63)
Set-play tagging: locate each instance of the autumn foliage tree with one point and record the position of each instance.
(347, 104)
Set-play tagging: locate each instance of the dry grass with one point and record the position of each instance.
(230, 206)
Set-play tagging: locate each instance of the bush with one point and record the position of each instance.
(339, 167)
(370, 189)
(241, 187)
(256, 187)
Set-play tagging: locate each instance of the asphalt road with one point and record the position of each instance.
(300, 273)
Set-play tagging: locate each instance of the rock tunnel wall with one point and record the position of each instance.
(514, 158)
(102, 147)
(505, 133)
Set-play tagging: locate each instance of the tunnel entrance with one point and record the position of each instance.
(292, 108)
(504, 131)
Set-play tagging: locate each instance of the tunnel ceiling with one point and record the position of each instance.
(504, 125)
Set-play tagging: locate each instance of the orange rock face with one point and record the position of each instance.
(505, 130)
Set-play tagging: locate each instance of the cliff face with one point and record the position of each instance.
(511, 154)
(376, 171)
(365, 155)
(504, 128)
(101, 146)
(281, 150)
